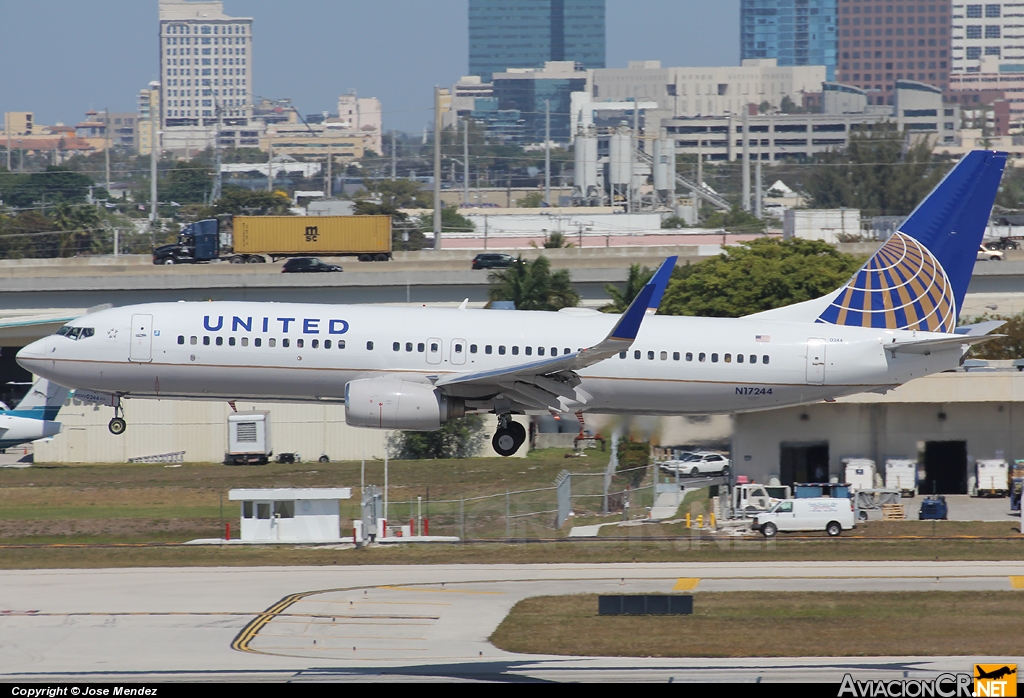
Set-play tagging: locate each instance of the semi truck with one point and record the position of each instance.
(252, 239)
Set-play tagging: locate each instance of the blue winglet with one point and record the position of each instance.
(649, 298)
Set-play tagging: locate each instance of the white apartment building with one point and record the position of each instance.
(364, 115)
(706, 91)
(987, 30)
(205, 64)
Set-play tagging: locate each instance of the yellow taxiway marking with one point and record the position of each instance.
(686, 584)
(444, 591)
(1017, 582)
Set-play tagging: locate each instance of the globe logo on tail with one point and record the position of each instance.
(902, 287)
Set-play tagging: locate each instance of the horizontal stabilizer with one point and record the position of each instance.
(931, 346)
(981, 328)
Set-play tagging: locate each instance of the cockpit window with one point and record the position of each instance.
(76, 332)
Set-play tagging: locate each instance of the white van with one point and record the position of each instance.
(830, 514)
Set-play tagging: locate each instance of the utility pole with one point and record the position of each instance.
(635, 143)
(437, 167)
(329, 182)
(465, 162)
(757, 186)
(394, 154)
(7, 130)
(154, 155)
(217, 177)
(270, 166)
(547, 152)
(106, 150)
(746, 159)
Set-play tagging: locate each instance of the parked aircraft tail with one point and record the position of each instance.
(43, 400)
(918, 279)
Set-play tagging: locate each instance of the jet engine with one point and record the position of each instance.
(393, 403)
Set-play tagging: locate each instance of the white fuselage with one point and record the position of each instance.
(306, 352)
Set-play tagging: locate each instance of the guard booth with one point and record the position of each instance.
(292, 515)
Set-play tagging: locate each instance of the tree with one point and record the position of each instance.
(534, 199)
(55, 184)
(458, 438)
(244, 202)
(874, 174)
(1009, 347)
(635, 281)
(393, 194)
(81, 224)
(634, 458)
(451, 221)
(533, 286)
(674, 222)
(758, 275)
(554, 241)
(735, 220)
(187, 183)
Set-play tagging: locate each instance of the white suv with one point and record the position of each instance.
(699, 463)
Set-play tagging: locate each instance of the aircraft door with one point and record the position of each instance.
(816, 360)
(458, 352)
(433, 351)
(142, 339)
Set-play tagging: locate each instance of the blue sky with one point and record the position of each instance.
(63, 57)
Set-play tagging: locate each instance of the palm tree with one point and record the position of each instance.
(531, 285)
(635, 281)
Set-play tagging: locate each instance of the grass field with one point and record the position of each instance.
(758, 624)
(134, 515)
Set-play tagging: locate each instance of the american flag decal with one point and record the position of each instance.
(763, 338)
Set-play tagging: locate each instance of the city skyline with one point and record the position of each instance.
(307, 61)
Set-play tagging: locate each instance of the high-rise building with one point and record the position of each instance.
(881, 42)
(991, 32)
(149, 116)
(506, 34)
(205, 64)
(793, 32)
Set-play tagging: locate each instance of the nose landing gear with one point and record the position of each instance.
(117, 425)
(509, 437)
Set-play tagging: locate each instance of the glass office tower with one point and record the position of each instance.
(794, 32)
(507, 34)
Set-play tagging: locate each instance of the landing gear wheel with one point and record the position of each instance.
(505, 442)
(117, 426)
(519, 431)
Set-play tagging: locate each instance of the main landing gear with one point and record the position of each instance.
(117, 425)
(509, 436)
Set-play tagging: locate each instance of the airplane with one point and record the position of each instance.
(997, 674)
(33, 417)
(416, 368)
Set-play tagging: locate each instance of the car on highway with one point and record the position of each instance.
(985, 255)
(300, 265)
(699, 463)
(492, 261)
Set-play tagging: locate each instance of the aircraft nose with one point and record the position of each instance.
(36, 350)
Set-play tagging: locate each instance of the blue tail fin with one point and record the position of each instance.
(918, 279)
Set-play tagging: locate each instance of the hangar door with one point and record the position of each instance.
(803, 462)
(945, 466)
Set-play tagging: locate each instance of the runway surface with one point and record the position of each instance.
(403, 622)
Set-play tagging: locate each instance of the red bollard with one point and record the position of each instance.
(227, 531)
(412, 527)
(426, 526)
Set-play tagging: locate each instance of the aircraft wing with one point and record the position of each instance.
(552, 383)
(929, 346)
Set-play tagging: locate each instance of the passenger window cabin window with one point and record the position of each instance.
(299, 343)
(408, 347)
(739, 358)
(245, 341)
(181, 339)
(488, 349)
(664, 356)
(689, 356)
(369, 346)
(622, 354)
(220, 341)
(434, 347)
(341, 343)
(315, 344)
(636, 354)
(472, 348)
(421, 347)
(397, 346)
(728, 358)
(714, 358)
(327, 343)
(231, 341)
(258, 342)
(753, 358)
(567, 351)
(458, 348)
(675, 356)
(206, 341)
(650, 356)
(193, 340)
(764, 359)
(286, 342)
(515, 351)
(540, 351)
(702, 357)
(271, 343)
(501, 349)
(529, 351)
(554, 351)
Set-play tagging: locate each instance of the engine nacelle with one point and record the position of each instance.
(393, 403)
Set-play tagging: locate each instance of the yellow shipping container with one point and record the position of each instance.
(284, 236)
